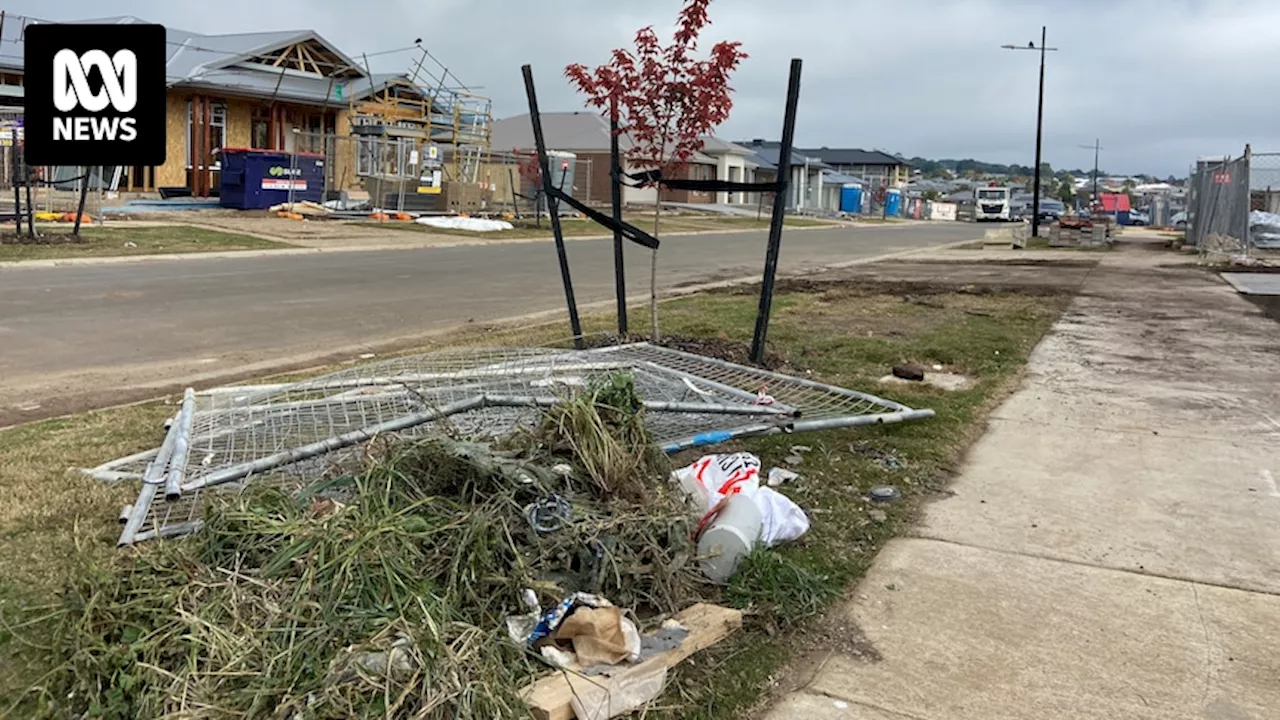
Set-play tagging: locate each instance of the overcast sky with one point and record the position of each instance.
(1159, 81)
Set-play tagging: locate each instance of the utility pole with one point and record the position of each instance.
(1035, 200)
(1095, 147)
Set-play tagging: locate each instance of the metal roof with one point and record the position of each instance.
(714, 145)
(216, 62)
(830, 156)
(852, 156)
(831, 176)
(577, 131)
(586, 131)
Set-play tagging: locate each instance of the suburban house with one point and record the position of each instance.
(867, 166)
(872, 166)
(814, 185)
(586, 135)
(286, 91)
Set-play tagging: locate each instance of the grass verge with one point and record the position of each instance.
(579, 227)
(848, 333)
(57, 242)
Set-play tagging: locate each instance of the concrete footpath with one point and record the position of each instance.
(1112, 547)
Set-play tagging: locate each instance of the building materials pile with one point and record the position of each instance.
(1074, 231)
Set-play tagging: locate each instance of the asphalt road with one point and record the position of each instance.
(73, 337)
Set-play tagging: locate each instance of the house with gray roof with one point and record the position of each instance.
(869, 166)
(283, 90)
(809, 175)
(586, 134)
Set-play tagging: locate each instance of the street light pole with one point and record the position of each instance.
(1035, 199)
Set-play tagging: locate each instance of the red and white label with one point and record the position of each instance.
(283, 184)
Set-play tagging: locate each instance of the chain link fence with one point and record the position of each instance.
(513, 182)
(1218, 206)
(1233, 206)
(11, 129)
(1264, 204)
(1264, 182)
(406, 174)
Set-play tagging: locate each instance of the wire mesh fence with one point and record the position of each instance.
(11, 137)
(514, 184)
(405, 174)
(300, 432)
(1218, 206)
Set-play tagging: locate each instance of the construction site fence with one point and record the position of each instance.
(11, 120)
(514, 185)
(1231, 204)
(1264, 182)
(405, 174)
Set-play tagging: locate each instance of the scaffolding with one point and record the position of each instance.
(432, 112)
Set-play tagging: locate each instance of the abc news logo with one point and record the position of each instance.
(95, 94)
(71, 90)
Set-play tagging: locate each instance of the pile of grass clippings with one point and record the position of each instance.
(379, 594)
(602, 430)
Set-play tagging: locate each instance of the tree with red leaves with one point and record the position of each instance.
(664, 100)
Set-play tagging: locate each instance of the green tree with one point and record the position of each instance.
(1066, 189)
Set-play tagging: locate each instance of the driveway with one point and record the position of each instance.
(77, 337)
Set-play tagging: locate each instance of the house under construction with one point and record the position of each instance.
(294, 91)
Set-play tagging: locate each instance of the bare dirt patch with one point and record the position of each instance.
(721, 348)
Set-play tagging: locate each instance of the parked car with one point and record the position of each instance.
(1137, 217)
(1050, 209)
(1179, 221)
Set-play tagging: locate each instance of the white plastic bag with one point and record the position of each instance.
(782, 519)
(712, 478)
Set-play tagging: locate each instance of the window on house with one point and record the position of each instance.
(702, 172)
(217, 131)
(260, 129)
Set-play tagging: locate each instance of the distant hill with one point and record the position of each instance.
(970, 167)
(967, 166)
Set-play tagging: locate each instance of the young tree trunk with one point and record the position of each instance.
(653, 273)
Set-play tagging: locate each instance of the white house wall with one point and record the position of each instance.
(733, 168)
(635, 195)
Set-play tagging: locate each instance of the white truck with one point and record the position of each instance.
(992, 204)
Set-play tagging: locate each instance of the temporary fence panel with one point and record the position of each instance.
(586, 179)
(1218, 206)
(1264, 181)
(942, 211)
(11, 137)
(302, 431)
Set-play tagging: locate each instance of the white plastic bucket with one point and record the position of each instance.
(729, 538)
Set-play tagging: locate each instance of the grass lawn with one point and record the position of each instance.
(105, 241)
(848, 333)
(578, 227)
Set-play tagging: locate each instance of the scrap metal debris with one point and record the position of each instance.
(228, 437)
